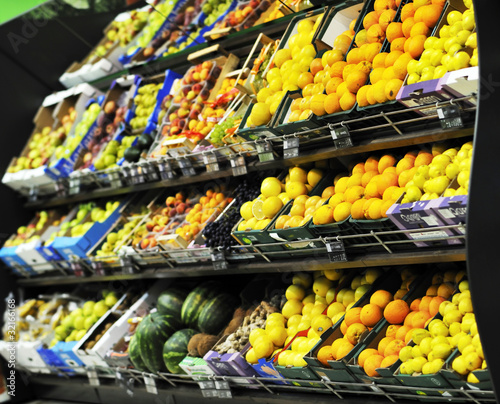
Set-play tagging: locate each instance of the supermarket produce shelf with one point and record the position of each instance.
(131, 383)
(425, 129)
(371, 251)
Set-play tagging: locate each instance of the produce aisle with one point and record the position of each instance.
(273, 207)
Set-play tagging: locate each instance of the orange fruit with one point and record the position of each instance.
(367, 176)
(357, 212)
(394, 30)
(392, 330)
(371, 314)
(419, 28)
(336, 345)
(361, 98)
(324, 215)
(386, 18)
(396, 311)
(379, 91)
(389, 192)
(385, 207)
(386, 161)
(445, 290)
(342, 43)
(398, 44)
(342, 211)
(381, 5)
(280, 222)
(419, 319)
(381, 298)
(370, 96)
(332, 84)
(407, 26)
(428, 14)
(383, 344)
(371, 163)
(374, 209)
(407, 11)
(416, 45)
(370, 19)
(403, 331)
(354, 193)
(424, 303)
(423, 158)
(353, 57)
(414, 306)
(389, 361)
(304, 79)
(353, 315)
(392, 88)
(364, 354)
(356, 80)
(372, 363)
(325, 354)
(332, 103)
(347, 101)
(408, 319)
(394, 347)
(328, 192)
(354, 332)
(318, 104)
(392, 57)
(375, 34)
(337, 69)
(379, 60)
(434, 305)
(344, 349)
(385, 181)
(316, 66)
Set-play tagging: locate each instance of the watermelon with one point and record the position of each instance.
(216, 313)
(153, 331)
(193, 305)
(175, 349)
(170, 302)
(134, 353)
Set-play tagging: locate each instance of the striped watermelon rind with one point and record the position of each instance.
(194, 302)
(134, 353)
(216, 313)
(154, 330)
(175, 349)
(170, 301)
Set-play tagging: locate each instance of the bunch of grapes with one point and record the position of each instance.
(219, 130)
(218, 233)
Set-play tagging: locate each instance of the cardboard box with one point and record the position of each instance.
(425, 94)
(67, 246)
(196, 367)
(418, 215)
(451, 210)
(463, 83)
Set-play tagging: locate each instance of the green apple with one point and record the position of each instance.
(111, 299)
(79, 322)
(88, 308)
(413, 193)
(100, 308)
(90, 321)
(61, 332)
(80, 334)
(67, 322)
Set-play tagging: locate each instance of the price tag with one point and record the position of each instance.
(450, 117)
(238, 165)
(265, 151)
(137, 175)
(210, 393)
(150, 384)
(207, 385)
(186, 167)
(33, 194)
(165, 170)
(149, 172)
(98, 268)
(341, 137)
(336, 251)
(291, 147)
(221, 385)
(219, 260)
(61, 188)
(211, 162)
(127, 176)
(126, 383)
(77, 268)
(74, 184)
(128, 266)
(115, 180)
(93, 377)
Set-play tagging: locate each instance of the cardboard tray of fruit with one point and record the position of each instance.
(157, 20)
(145, 104)
(87, 107)
(96, 224)
(53, 122)
(103, 59)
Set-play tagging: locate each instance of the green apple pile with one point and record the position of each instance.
(74, 326)
(450, 50)
(124, 31)
(214, 9)
(113, 152)
(81, 129)
(26, 234)
(115, 239)
(144, 102)
(155, 20)
(457, 330)
(432, 180)
(43, 144)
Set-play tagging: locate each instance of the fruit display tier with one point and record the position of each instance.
(389, 249)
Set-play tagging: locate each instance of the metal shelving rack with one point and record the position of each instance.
(479, 252)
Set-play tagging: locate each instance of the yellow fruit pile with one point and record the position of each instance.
(289, 63)
(257, 214)
(448, 51)
(458, 329)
